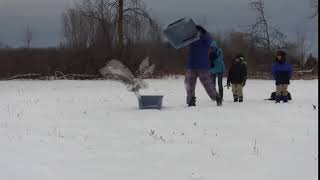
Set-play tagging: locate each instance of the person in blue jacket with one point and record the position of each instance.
(281, 72)
(217, 67)
(198, 65)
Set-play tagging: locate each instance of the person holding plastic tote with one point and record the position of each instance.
(198, 65)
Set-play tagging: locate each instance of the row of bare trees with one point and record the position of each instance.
(262, 33)
(315, 9)
(99, 30)
(111, 25)
(28, 36)
(266, 38)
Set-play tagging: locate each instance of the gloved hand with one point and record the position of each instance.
(228, 85)
(244, 83)
(201, 29)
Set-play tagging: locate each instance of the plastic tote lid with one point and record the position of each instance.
(181, 33)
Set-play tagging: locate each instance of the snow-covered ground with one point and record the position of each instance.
(93, 130)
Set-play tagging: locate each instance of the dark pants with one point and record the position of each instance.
(220, 86)
(191, 80)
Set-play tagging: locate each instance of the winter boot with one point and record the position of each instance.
(192, 101)
(285, 99)
(219, 101)
(235, 98)
(240, 99)
(278, 99)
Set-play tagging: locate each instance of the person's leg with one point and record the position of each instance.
(190, 84)
(213, 78)
(240, 87)
(278, 93)
(208, 85)
(285, 92)
(234, 92)
(278, 89)
(220, 85)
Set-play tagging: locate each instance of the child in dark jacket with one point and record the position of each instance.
(281, 72)
(237, 76)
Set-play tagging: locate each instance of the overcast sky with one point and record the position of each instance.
(44, 17)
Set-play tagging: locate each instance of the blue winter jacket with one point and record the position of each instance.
(198, 57)
(281, 72)
(219, 66)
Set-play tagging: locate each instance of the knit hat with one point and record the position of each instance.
(281, 53)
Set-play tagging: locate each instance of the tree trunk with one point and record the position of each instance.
(120, 26)
(265, 23)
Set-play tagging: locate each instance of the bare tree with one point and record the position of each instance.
(302, 48)
(137, 29)
(101, 12)
(315, 8)
(128, 9)
(120, 22)
(79, 30)
(112, 21)
(311, 64)
(262, 33)
(117, 10)
(28, 36)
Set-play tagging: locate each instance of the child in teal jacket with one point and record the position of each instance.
(217, 66)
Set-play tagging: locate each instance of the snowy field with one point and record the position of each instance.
(93, 130)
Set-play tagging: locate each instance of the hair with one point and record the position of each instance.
(281, 53)
(238, 56)
(283, 56)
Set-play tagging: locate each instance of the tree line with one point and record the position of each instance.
(99, 30)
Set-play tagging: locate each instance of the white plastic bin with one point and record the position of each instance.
(181, 33)
(150, 102)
